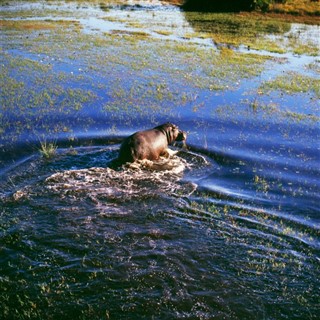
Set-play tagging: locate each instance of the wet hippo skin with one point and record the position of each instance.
(150, 144)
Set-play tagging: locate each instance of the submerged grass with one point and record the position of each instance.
(65, 73)
(292, 83)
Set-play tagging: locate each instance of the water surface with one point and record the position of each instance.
(230, 230)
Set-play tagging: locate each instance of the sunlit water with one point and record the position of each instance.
(228, 228)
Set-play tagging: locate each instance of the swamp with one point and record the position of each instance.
(231, 230)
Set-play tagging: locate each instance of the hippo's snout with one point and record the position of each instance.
(181, 136)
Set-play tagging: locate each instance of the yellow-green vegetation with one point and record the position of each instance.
(253, 31)
(130, 74)
(33, 25)
(131, 35)
(264, 110)
(34, 96)
(293, 82)
(208, 68)
(48, 149)
(243, 64)
(27, 25)
(310, 49)
(296, 7)
(59, 83)
(314, 66)
(164, 32)
(261, 184)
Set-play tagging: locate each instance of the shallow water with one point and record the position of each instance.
(228, 228)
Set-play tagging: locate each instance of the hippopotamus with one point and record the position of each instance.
(150, 144)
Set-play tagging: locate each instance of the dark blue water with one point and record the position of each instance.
(229, 231)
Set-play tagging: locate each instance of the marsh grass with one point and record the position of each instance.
(254, 31)
(34, 25)
(164, 32)
(129, 74)
(127, 78)
(293, 83)
(48, 150)
(296, 7)
(302, 48)
(235, 29)
(314, 66)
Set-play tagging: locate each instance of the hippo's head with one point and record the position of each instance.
(172, 132)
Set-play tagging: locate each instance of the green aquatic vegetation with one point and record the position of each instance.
(130, 35)
(267, 45)
(48, 149)
(309, 49)
(39, 98)
(261, 184)
(172, 55)
(238, 29)
(255, 108)
(301, 46)
(226, 69)
(27, 25)
(242, 24)
(295, 116)
(34, 25)
(211, 69)
(314, 66)
(144, 98)
(247, 64)
(293, 83)
(155, 73)
(148, 79)
(22, 64)
(164, 32)
(195, 35)
(249, 30)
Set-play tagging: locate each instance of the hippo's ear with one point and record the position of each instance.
(168, 125)
(173, 126)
